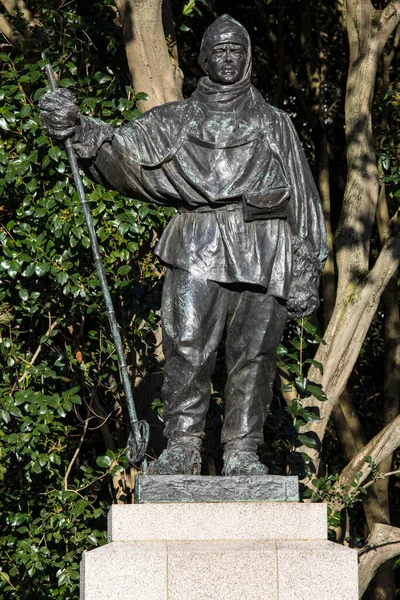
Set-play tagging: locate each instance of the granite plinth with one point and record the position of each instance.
(194, 488)
(211, 551)
(217, 521)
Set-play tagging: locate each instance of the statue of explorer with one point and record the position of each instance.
(244, 251)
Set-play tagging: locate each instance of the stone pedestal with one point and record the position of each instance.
(219, 551)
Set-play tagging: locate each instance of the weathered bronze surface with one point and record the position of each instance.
(190, 488)
(243, 252)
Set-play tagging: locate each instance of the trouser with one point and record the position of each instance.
(195, 313)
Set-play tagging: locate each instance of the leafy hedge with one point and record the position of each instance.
(63, 425)
(59, 361)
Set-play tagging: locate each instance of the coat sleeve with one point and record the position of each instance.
(127, 159)
(306, 217)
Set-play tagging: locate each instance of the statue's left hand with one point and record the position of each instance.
(303, 299)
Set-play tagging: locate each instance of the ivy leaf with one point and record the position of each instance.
(5, 416)
(62, 277)
(307, 441)
(23, 294)
(5, 576)
(141, 96)
(294, 368)
(296, 407)
(55, 153)
(287, 388)
(29, 271)
(281, 350)
(103, 461)
(92, 539)
(4, 125)
(301, 382)
(317, 392)
(42, 268)
(309, 327)
(309, 417)
(124, 270)
(316, 364)
(62, 578)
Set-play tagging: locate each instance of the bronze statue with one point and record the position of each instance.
(243, 252)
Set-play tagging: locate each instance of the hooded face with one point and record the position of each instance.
(225, 52)
(226, 63)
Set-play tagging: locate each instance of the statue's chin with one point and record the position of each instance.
(226, 79)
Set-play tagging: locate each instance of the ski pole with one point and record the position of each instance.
(139, 435)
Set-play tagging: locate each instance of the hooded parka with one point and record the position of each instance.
(234, 169)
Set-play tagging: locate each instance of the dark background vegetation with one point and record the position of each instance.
(62, 411)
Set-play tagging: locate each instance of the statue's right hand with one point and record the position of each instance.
(59, 113)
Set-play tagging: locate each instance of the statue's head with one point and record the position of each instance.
(225, 52)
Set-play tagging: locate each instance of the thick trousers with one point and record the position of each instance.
(195, 314)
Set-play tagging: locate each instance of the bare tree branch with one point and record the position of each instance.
(14, 8)
(102, 417)
(73, 459)
(381, 446)
(19, 6)
(390, 18)
(382, 476)
(37, 352)
(383, 544)
(12, 34)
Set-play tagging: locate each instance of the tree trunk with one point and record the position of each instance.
(348, 426)
(368, 31)
(383, 585)
(383, 544)
(152, 70)
(359, 291)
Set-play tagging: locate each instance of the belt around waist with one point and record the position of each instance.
(237, 205)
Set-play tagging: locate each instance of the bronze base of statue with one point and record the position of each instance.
(192, 488)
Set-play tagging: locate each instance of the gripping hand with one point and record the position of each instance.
(59, 114)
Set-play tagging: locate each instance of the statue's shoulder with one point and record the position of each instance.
(280, 115)
(269, 112)
(155, 136)
(168, 115)
(275, 122)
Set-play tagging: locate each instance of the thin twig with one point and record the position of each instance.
(75, 454)
(380, 476)
(34, 357)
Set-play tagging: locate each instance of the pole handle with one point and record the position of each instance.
(139, 437)
(51, 78)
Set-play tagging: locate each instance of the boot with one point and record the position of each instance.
(242, 462)
(181, 457)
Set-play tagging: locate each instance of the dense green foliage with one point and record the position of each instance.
(62, 413)
(60, 364)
